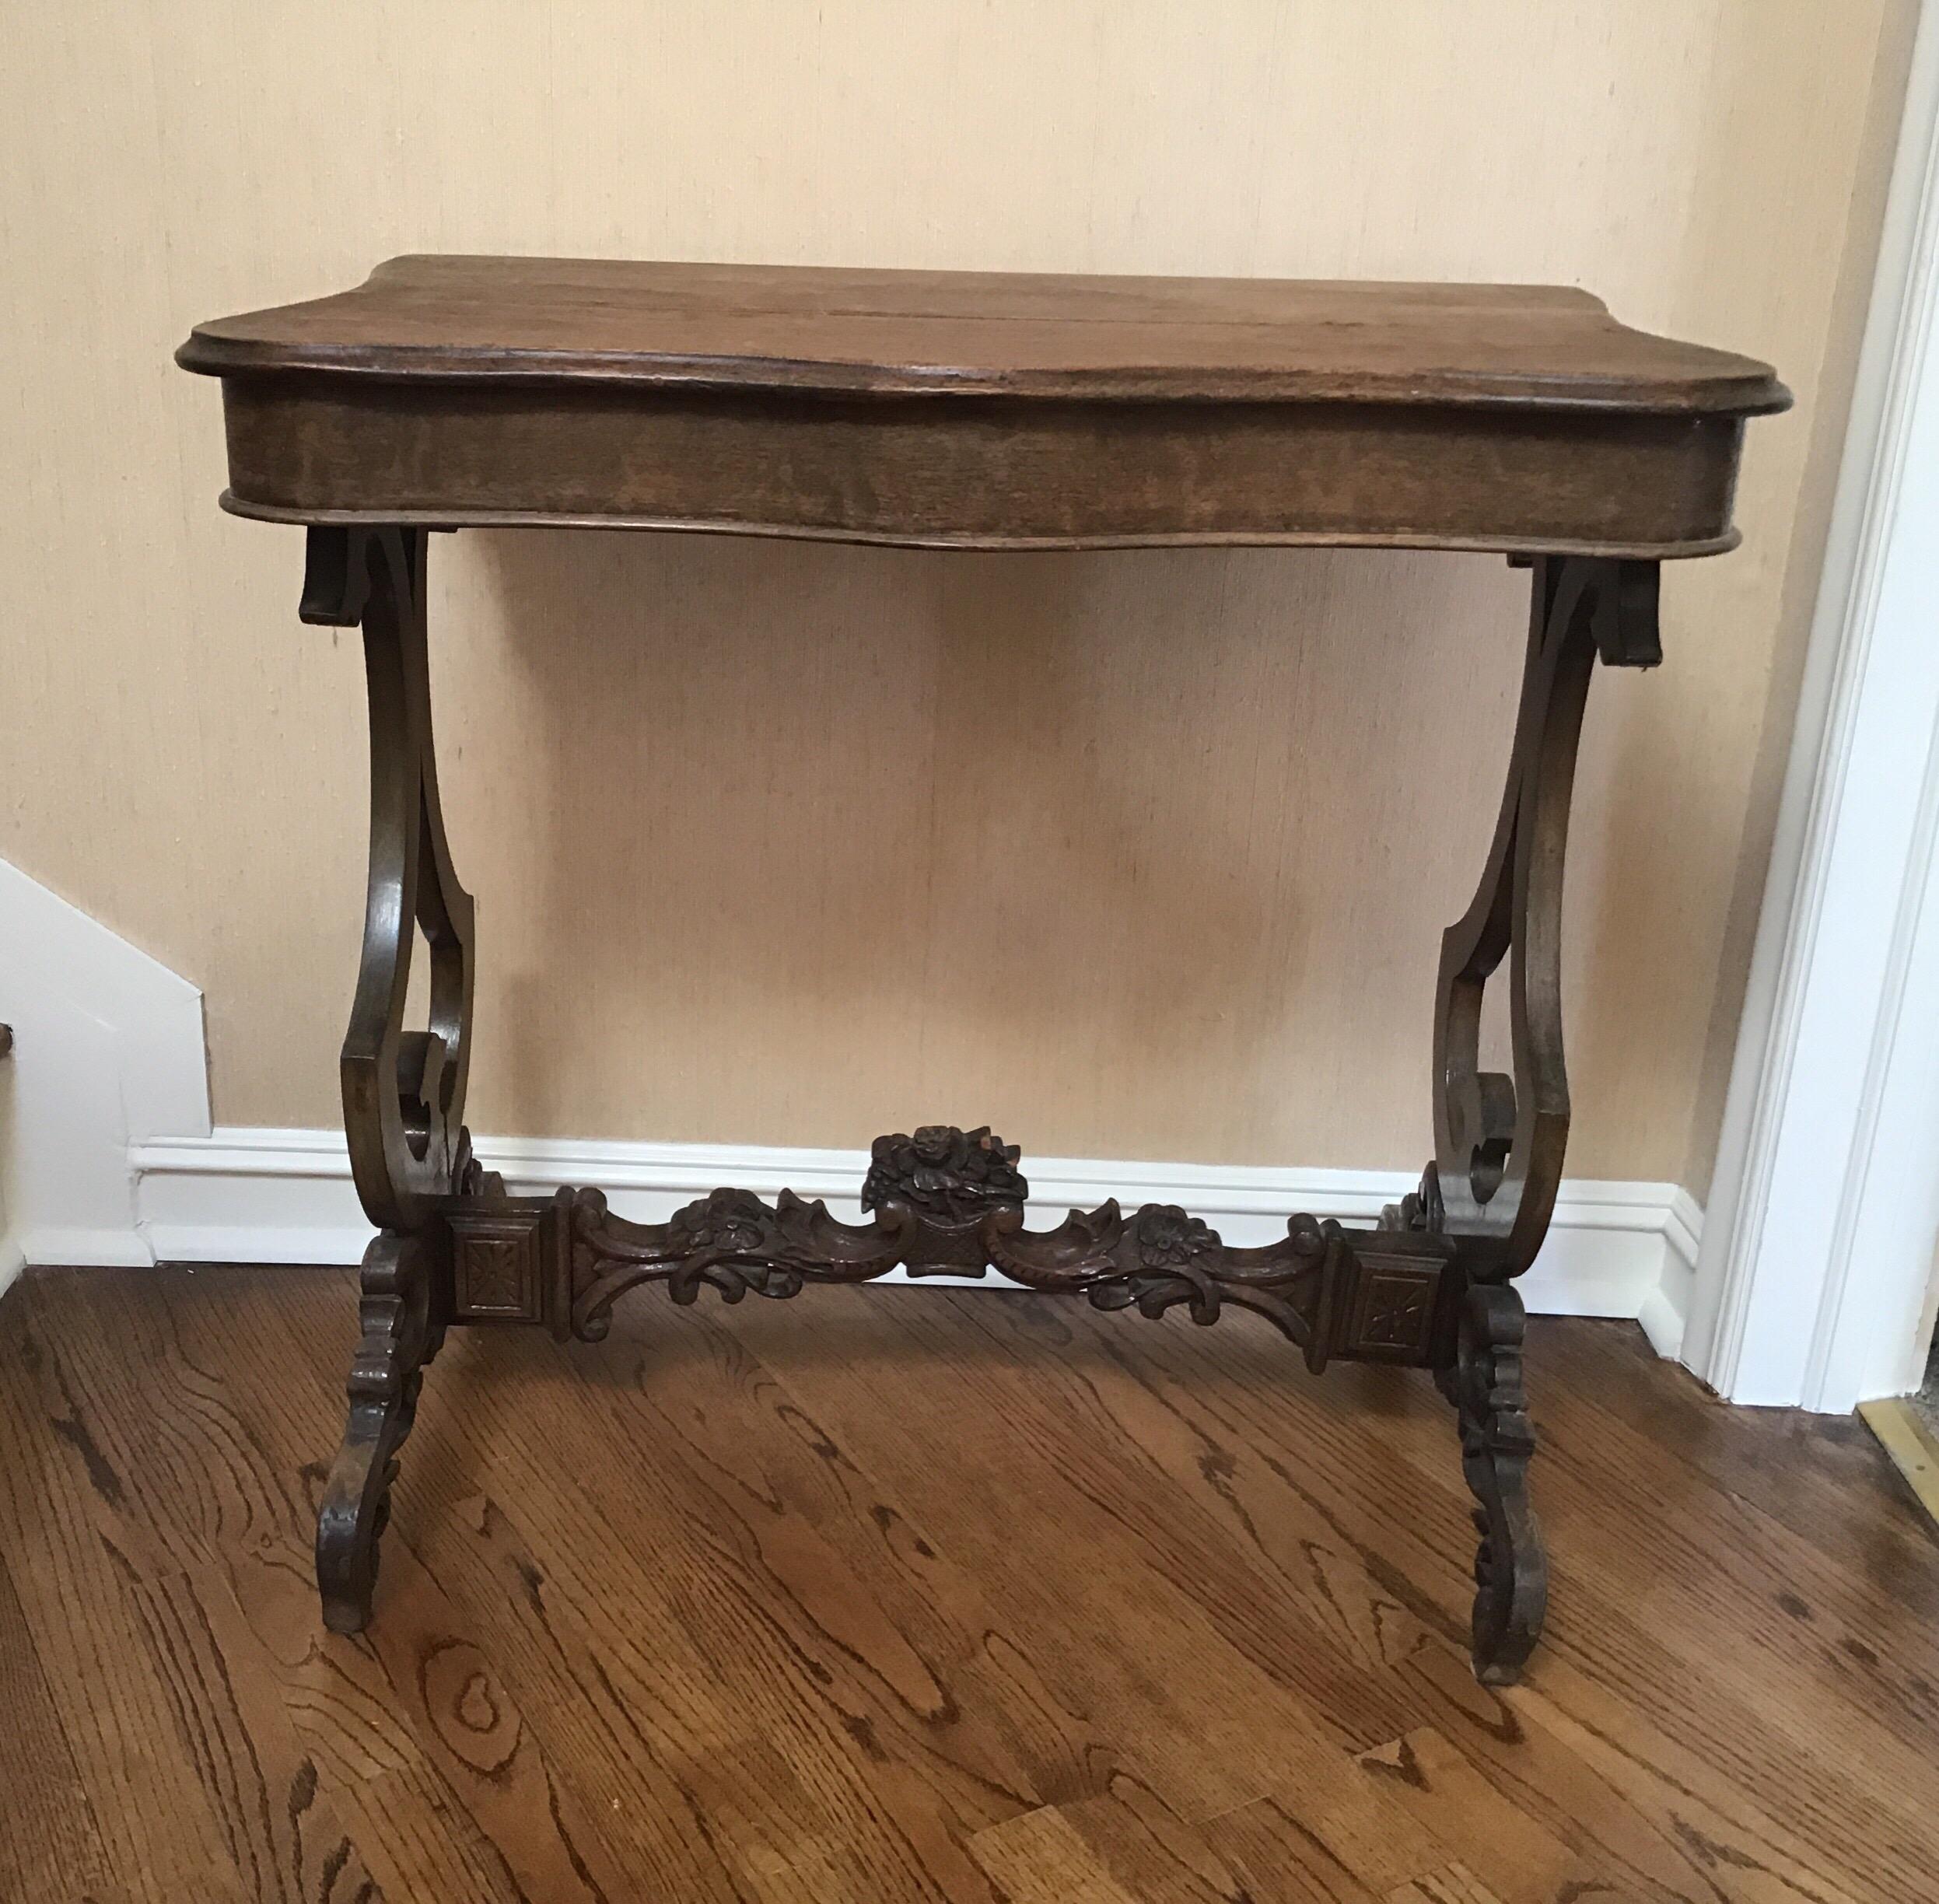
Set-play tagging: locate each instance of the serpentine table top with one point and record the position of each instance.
(982, 410)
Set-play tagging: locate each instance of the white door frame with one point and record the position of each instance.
(1819, 1242)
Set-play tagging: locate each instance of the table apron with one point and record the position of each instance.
(983, 472)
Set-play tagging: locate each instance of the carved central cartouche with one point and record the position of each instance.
(944, 1175)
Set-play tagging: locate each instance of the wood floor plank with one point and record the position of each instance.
(872, 1586)
(1661, 1835)
(50, 1847)
(1262, 1853)
(1749, 1654)
(554, 1845)
(1817, 1475)
(1362, 1458)
(1457, 1885)
(1331, 1563)
(70, 1553)
(1041, 1858)
(1747, 1842)
(1346, 1837)
(285, 1836)
(1054, 1639)
(433, 1667)
(1616, 1575)
(896, 1595)
(731, 1616)
(255, 1514)
(1513, 1851)
(1299, 1579)
(755, 1708)
(1303, 1562)
(1287, 1854)
(1169, 1610)
(1769, 1600)
(127, 1378)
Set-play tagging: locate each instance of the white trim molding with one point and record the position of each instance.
(1665, 1310)
(1813, 1274)
(240, 1195)
(107, 1052)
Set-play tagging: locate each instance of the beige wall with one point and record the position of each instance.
(1141, 854)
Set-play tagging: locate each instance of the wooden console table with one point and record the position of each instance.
(966, 410)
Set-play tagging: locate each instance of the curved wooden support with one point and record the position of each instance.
(1497, 1442)
(401, 1331)
(403, 1090)
(1499, 1140)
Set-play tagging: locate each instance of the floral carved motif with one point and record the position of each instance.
(944, 1175)
(1161, 1256)
(494, 1273)
(1396, 1312)
(730, 1241)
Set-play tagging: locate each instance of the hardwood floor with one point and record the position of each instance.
(890, 1594)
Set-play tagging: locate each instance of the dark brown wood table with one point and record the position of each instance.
(961, 410)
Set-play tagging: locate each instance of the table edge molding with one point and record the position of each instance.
(1755, 390)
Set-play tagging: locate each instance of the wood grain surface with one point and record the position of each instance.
(804, 327)
(899, 1595)
(985, 410)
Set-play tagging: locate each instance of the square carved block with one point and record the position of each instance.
(505, 1259)
(1393, 1314)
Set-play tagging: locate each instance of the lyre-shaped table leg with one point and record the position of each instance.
(403, 1092)
(1499, 1139)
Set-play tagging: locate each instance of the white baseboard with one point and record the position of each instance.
(1665, 1313)
(286, 1196)
(107, 1052)
(74, 1246)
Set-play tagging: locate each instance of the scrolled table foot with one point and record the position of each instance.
(1497, 1441)
(403, 1329)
